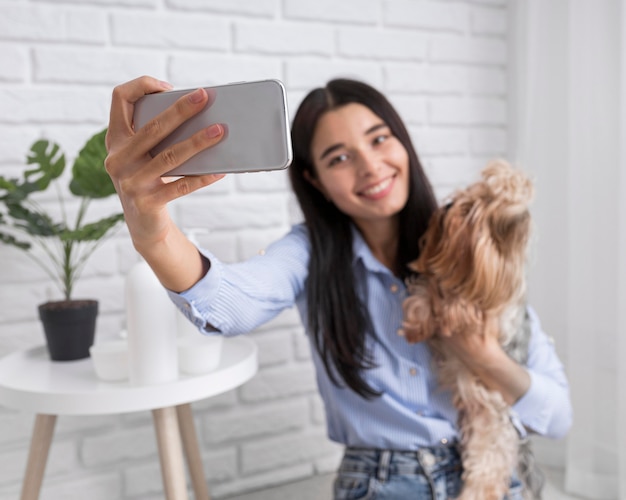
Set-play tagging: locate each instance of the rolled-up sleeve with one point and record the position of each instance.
(236, 298)
(546, 407)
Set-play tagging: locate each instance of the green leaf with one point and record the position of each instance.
(89, 177)
(9, 239)
(14, 192)
(12, 240)
(33, 223)
(8, 184)
(93, 231)
(51, 165)
(7, 187)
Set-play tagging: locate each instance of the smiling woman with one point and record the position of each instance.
(366, 203)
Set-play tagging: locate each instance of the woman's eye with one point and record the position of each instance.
(379, 139)
(338, 159)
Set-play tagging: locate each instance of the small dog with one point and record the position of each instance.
(471, 281)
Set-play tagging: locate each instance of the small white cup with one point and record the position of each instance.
(199, 354)
(110, 359)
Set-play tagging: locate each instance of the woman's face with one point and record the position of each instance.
(361, 167)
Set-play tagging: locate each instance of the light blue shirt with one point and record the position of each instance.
(412, 411)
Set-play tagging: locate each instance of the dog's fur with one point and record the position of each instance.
(471, 281)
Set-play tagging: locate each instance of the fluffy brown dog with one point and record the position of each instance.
(471, 281)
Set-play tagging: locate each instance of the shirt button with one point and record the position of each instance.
(400, 332)
(187, 305)
(413, 371)
(262, 252)
(393, 288)
(444, 441)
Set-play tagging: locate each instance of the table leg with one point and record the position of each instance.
(38, 456)
(170, 453)
(192, 451)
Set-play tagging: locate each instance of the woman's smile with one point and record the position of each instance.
(378, 190)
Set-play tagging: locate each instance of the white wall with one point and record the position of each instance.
(443, 63)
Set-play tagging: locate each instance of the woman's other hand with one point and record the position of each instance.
(485, 357)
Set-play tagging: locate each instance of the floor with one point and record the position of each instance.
(319, 488)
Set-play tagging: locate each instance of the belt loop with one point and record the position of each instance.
(427, 461)
(382, 474)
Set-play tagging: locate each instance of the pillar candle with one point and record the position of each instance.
(151, 326)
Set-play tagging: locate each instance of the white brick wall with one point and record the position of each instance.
(442, 63)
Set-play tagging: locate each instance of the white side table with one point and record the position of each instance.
(30, 381)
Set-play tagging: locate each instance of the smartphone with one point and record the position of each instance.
(255, 119)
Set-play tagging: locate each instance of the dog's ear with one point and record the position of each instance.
(451, 246)
(507, 195)
(510, 232)
(429, 242)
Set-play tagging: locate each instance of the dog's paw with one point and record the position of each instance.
(413, 334)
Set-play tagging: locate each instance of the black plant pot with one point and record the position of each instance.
(70, 328)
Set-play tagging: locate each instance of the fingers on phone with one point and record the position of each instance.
(124, 96)
(215, 130)
(162, 125)
(182, 186)
(177, 154)
(195, 97)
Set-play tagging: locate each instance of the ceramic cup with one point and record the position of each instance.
(110, 359)
(199, 354)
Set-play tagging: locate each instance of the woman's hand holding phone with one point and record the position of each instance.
(137, 177)
(253, 115)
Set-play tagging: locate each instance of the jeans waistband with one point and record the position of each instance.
(383, 463)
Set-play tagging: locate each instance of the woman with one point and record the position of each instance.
(366, 201)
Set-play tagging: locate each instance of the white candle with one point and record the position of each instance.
(151, 325)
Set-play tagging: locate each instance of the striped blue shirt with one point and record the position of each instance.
(412, 411)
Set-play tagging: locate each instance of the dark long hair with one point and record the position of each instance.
(337, 318)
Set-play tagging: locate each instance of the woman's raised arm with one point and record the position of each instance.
(144, 194)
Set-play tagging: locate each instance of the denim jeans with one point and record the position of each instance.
(432, 473)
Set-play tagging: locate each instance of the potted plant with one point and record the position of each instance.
(65, 245)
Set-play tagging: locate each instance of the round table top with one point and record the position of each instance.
(30, 381)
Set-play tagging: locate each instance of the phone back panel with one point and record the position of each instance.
(255, 118)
